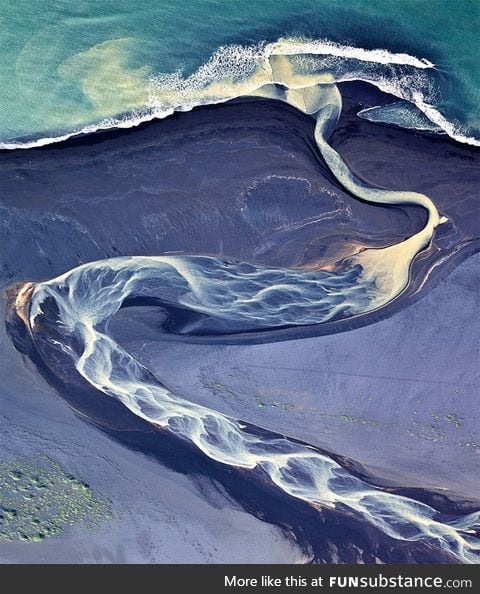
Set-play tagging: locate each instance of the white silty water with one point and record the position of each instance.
(252, 297)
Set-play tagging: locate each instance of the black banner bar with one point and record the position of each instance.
(333, 579)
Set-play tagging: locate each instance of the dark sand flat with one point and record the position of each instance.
(395, 393)
(399, 396)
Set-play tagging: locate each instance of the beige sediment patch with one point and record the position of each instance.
(334, 262)
(22, 302)
(106, 79)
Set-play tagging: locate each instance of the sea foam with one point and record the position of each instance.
(235, 71)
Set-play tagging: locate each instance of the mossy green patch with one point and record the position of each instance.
(455, 419)
(38, 500)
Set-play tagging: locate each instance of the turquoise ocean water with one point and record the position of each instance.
(69, 66)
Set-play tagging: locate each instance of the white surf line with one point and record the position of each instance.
(212, 84)
(297, 46)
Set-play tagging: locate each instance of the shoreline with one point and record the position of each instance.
(104, 130)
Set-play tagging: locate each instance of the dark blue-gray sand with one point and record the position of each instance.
(244, 333)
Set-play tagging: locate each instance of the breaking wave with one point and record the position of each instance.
(235, 71)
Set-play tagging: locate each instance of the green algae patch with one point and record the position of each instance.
(39, 499)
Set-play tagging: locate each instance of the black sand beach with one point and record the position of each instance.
(244, 180)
